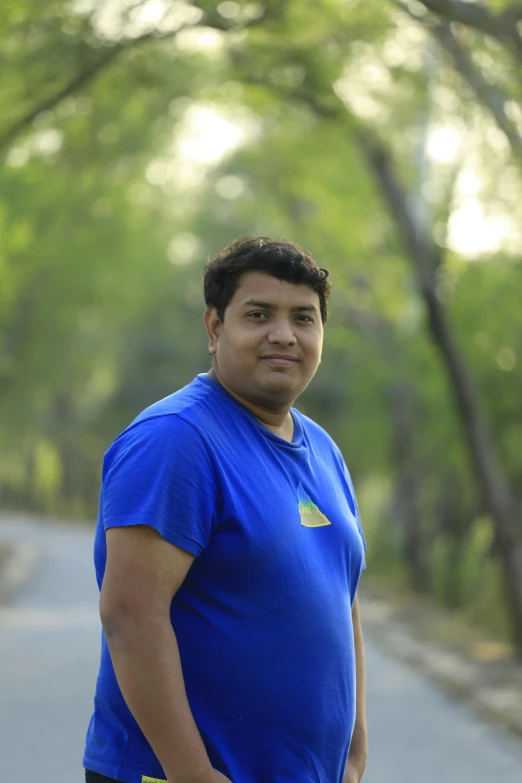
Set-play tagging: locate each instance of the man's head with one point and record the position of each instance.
(265, 301)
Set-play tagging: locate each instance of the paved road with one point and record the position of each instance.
(49, 646)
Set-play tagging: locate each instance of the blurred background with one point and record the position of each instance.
(140, 137)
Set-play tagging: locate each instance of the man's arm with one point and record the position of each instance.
(142, 574)
(359, 746)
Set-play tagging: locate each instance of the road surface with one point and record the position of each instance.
(49, 648)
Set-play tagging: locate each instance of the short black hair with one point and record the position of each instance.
(283, 260)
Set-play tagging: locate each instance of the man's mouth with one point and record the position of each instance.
(279, 359)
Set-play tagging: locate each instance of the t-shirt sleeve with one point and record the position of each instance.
(159, 473)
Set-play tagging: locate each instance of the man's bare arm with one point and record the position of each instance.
(142, 575)
(356, 763)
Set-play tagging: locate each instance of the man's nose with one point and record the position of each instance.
(282, 331)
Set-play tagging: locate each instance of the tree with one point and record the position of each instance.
(337, 105)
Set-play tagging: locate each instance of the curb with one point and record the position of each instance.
(19, 564)
(491, 689)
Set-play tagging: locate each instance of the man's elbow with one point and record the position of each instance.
(123, 619)
(117, 618)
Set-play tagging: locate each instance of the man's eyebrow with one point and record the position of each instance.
(269, 306)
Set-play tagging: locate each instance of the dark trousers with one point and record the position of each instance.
(95, 777)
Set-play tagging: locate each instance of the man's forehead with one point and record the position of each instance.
(256, 285)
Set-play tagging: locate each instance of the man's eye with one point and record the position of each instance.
(305, 319)
(257, 315)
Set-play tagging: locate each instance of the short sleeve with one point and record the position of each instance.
(159, 473)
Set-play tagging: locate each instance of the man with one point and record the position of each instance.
(228, 552)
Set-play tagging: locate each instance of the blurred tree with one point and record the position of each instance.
(140, 137)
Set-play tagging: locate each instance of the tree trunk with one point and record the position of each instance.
(486, 467)
(456, 516)
(426, 257)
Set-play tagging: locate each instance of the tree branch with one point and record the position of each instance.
(427, 256)
(502, 26)
(75, 83)
(489, 95)
(78, 81)
(94, 69)
(412, 227)
(424, 255)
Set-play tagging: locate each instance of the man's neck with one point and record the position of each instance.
(279, 422)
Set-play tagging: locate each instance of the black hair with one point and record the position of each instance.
(283, 260)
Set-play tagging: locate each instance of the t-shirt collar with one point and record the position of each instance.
(298, 427)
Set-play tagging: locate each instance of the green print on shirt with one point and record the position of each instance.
(308, 511)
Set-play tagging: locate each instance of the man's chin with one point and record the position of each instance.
(280, 387)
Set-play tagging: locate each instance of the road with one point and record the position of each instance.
(49, 647)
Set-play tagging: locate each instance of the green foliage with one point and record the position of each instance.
(105, 224)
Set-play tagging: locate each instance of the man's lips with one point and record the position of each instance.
(280, 359)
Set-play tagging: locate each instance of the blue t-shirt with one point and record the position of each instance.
(263, 618)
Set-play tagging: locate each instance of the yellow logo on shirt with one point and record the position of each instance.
(146, 779)
(310, 514)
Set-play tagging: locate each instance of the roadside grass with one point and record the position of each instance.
(474, 620)
(436, 623)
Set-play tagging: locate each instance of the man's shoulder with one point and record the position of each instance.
(176, 419)
(194, 398)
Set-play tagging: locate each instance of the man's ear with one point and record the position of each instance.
(213, 325)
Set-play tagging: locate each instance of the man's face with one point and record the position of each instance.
(269, 344)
